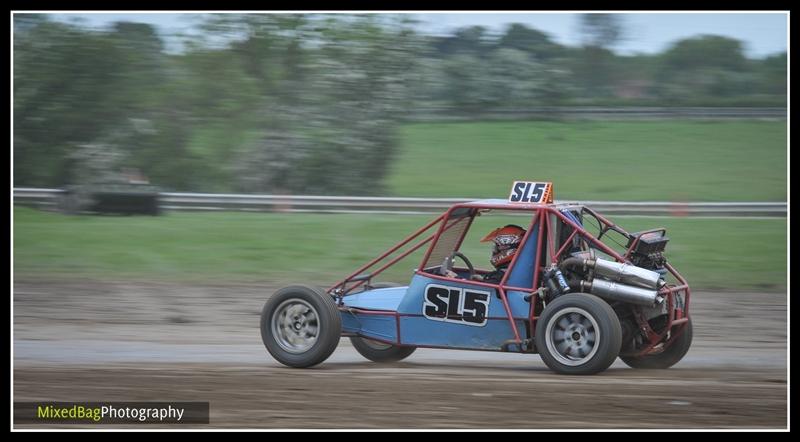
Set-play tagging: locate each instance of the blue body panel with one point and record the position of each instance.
(522, 273)
(417, 329)
(416, 305)
(377, 299)
(413, 301)
(380, 327)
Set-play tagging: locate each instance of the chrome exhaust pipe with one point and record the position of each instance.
(626, 273)
(615, 271)
(620, 292)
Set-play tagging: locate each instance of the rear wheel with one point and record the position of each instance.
(300, 326)
(667, 358)
(578, 334)
(377, 351)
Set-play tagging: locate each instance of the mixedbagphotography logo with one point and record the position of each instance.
(111, 413)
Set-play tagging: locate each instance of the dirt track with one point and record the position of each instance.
(149, 341)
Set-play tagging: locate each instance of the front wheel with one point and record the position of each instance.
(667, 358)
(578, 334)
(377, 351)
(300, 326)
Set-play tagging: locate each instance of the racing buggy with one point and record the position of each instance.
(566, 294)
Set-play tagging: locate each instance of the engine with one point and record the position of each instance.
(611, 280)
(631, 288)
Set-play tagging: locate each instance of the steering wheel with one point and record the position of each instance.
(447, 264)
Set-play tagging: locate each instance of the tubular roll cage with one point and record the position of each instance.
(675, 317)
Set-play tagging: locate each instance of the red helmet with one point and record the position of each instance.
(506, 241)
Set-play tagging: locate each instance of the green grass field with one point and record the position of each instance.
(627, 161)
(317, 248)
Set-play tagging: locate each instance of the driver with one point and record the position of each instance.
(506, 242)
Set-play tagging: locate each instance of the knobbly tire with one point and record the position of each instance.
(300, 326)
(379, 351)
(669, 357)
(578, 334)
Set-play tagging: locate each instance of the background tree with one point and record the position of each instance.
(772, 74)
(704, 66)
(600, 33)
(312, 103)
(532, 41)
(470, 40)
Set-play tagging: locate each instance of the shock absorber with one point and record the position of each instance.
(555, 281)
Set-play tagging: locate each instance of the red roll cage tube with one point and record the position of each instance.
(675, 317)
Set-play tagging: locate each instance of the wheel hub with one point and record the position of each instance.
(295, 325)
(572, 336)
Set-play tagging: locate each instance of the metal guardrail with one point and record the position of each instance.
(604, 113)
(48, 199)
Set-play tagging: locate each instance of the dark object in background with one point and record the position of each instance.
(649, 249)
(122, 199)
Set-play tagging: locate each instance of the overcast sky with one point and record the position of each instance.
(762, 33)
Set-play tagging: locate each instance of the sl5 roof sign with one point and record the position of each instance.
(531, 192)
